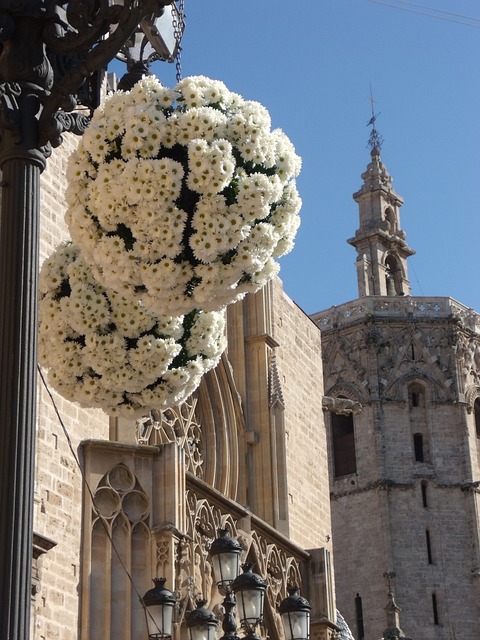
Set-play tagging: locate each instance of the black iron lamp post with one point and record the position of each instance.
(246, 591)
(202, 623)
(50, 51)
(249, 589)
(159, 604)
(295, 613)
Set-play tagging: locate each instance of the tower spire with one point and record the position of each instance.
(380, 242)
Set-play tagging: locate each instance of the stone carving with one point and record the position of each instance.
(346, 359)
(468, 347)
(117, 554)
(400, 307)
(178, 424)
(471, 395)
(428, 351)
(415, 351)
(119, 494)
(274, 385)
(341, 406)
(203, 520)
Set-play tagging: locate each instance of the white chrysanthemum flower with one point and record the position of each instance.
(195, 91)
(94, 141)
(211, 166)
(287, 162)
(159, 189)
(191, 95)
(199, 123)
(101, 357)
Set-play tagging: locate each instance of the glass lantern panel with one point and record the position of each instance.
(202, 632)
(159, 621)
(296, 625)
(250, 605)
(226, 567)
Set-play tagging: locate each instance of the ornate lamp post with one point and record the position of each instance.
(49, 51)
(249, 589)
(225, 555)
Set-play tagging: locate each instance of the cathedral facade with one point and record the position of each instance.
(120, 502)
(402, 387)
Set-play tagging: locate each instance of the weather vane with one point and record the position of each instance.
(375, 140)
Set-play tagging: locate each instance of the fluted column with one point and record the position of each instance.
(19, 241)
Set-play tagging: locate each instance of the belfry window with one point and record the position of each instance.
(390, 218)
(343, 442)
(393, 277)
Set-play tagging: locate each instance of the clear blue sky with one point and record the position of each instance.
(311, 64)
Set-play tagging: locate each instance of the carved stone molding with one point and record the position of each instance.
(470, 396)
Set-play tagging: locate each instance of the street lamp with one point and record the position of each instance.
(49, 51)
(158, 38)
(159, 603)
(225, 556)
(249, 589)
(246, 590)
(295, 613)
(201, 622)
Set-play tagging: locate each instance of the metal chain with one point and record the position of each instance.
(178, 29)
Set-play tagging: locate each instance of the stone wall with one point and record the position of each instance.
(301, 380)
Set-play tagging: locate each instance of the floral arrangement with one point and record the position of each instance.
(106, 350)
(183, 197)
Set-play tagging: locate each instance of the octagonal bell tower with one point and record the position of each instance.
(379, 240)
(402, 413)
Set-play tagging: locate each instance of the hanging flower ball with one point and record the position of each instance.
(183, 197)
(107, 351)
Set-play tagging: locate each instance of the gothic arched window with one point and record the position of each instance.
(390, 218)
(435, 609)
